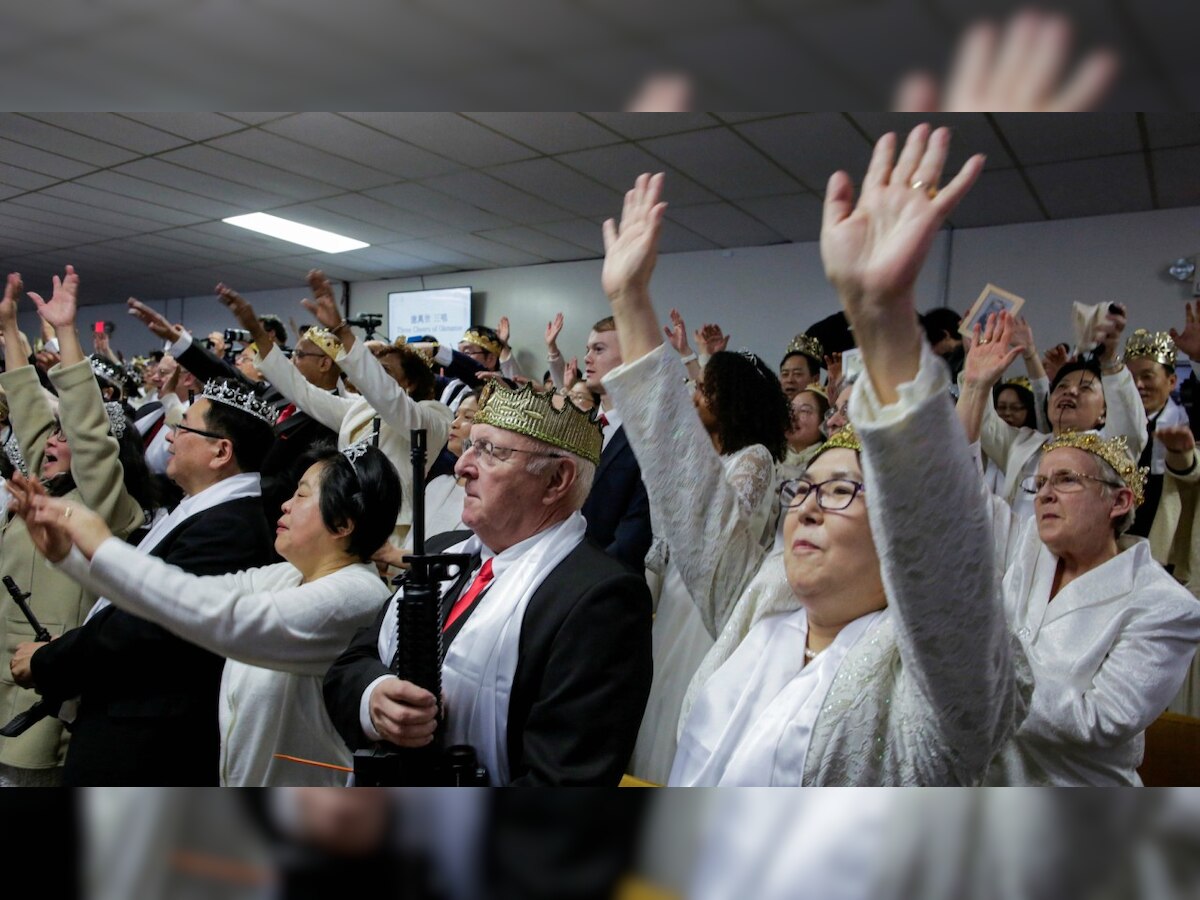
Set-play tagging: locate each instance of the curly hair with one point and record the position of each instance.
(748, 403)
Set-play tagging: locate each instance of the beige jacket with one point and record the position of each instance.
(57, 601)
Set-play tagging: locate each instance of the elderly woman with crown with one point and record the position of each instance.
(1108, 633)
(872, 649)
(395, 384)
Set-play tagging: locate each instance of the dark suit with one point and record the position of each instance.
(582, 677)
(148, 699)
(618, 508)
(293, 437)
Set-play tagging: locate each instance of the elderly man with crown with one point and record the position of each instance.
(1108, 632)
(546, 640)
(142, 701)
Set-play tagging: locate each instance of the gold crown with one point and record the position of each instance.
(1157, 346)
(1114, 451)
(479, 339)
(535, 415)
(808, 345)
(1021, 381)
(846, 439)
(424, 355)
(816, 388)
(325, 340)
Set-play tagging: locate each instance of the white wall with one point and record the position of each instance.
(764, 295)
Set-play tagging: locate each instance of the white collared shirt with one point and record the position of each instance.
(614, 424)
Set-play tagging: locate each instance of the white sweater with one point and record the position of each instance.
(280, 636)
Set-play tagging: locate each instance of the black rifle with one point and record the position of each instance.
(22, 722)
(418, 660)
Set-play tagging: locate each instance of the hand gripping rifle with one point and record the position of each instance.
(22, 722)
(418, 660)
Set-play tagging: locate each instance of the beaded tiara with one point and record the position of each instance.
(240, 398)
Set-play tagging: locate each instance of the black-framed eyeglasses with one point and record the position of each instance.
(834, 494)
(492, 452)
(1064, 481)
(179, 426)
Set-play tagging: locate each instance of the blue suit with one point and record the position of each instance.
(618, 509)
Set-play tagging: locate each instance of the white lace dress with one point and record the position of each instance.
(681, 638)
(936, 685)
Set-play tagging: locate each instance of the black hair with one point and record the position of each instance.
(814, 365)
(364, 494)
(1024, 395)
(939, 323)
(251, 436)
(274, 325)
(422, 383)
(156, 355)
(144, 488)
(1079, 364)
(748, 403)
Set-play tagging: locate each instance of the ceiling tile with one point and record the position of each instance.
(531, 25)
(195, 126)
(722, 162)
(492, 252)
(24, 179)
(256, 118)
(551, 180)
(674, 238)
(448, 134)
(557, 132)
(970, 133)
(1172, 129)
(124, 186)
(497, 197)
(647, 125)
(533, 241)
(245, 171)
(439, 254)
(581, 232)
(21, 128)
(1069, 189)
(999, 197)
(25, 157)
(71, 211)
(383, 215)
(724, 225)
(665, 18)
(1175, 176)
(113, 129)
(236, 195)
(795, 216)
(812, 147)
(91, 196)
(342, 137)
(316, 215)
(439, 207)
(1038, 138)
(620, 165)
(263, 147)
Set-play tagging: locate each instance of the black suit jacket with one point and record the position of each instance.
(582, 678)
(148, 699)
(618, 509)
(293, 437)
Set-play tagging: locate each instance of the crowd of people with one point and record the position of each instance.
(884, 566)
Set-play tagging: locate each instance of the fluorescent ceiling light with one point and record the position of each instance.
(305, 235)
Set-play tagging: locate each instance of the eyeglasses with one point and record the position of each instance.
(304, 353)
(472, 351)
(492, 453)
(1064, 481)
(834, 494)
(835, 411)
(179, 426)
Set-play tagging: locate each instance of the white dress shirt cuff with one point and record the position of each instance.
(364, 709)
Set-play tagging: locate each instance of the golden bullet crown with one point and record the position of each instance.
(482, 339)
(1157, 346)
(1021, 381)
(325, 340)
(535, 415)
(846, 439)
(1114, 451)
(809, 346)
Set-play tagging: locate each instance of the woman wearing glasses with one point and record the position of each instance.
(1108, 633)
(872, 649)
(90, 453)
(280, 626)
(741, 407)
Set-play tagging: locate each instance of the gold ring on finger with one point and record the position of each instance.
(983, 341)
(930, 190)
(67, 513)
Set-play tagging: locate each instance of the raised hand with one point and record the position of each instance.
(50, 539)
(60, 310)
(667, 92)
(246, 317)
(676, 333)
(170, 371)
(571, 373)
(711, 339)
(1021, 333)
(1187, 340)
(990, 351)
(1109, 332)
(323, 306)
(1022, 70)
(502, 331)
(1176, 438)
(86, 529)
(1056, 357)
(13, 288)
(631, 247)
(553, 330)
(157, 323)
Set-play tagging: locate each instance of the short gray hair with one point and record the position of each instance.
(1109, 474)
(585, 472)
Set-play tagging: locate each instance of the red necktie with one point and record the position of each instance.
(285, 413)
(603, 420)
(463, 603)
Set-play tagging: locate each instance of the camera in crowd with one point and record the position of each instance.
(237, 334)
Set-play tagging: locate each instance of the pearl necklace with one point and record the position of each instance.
(810, 655)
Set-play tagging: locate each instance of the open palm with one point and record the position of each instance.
(873, 250)
(13, 288)
(59, 311)
(323, 305)
(631, 248)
